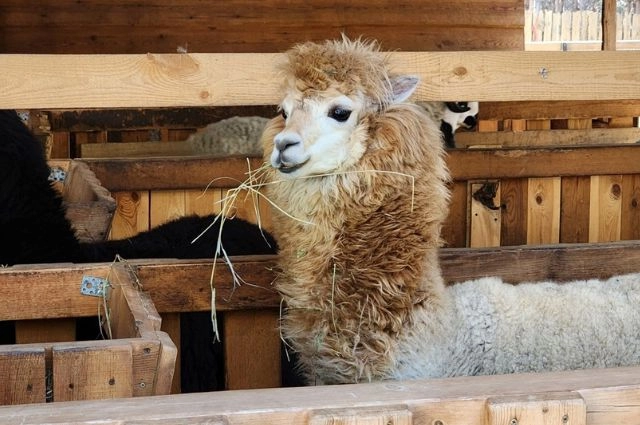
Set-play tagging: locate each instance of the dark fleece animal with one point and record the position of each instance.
(34, 229)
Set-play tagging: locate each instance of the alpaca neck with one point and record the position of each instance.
(352, 280)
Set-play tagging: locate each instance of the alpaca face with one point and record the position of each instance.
(322, 134)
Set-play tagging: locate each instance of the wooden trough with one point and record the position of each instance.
(579, 397)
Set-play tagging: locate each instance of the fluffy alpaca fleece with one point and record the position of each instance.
(231, 136)
(360, 277)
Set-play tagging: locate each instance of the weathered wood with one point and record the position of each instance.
(51, 330)
(249, 335)
(549, 408)
(464, 164)
(574, 209)
(557, 109)
(123, 26)
(554, 138)
(159, 80)
(22, 374)
(182, 286)
(610, 396)
(513, 204)
(94, 371)
(132, 214)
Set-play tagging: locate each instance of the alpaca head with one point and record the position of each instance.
(330, 91)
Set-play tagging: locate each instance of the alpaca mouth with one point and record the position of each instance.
(290, 168)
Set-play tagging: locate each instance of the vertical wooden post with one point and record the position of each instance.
(609, 25)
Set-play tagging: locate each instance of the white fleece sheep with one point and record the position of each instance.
(231, 136)
(361, 176)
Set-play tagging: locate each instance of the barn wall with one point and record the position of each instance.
(162, 26)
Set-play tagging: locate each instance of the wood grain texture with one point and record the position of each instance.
(551, 408)
(126, 26)
(513, 203)
(485, 216)
(94, 372)
(248, 335)
(605, 208)
(558, 109)
(574, 209)
(472, 164)
(610, 396)
(22, 374)
(199, 79)
(543, 211)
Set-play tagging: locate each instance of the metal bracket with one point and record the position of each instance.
(93, 286)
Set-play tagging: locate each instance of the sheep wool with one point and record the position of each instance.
(231, 136)
(360, 181)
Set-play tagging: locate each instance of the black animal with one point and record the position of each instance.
(34, 229)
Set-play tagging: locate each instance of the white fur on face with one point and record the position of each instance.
(313, 141)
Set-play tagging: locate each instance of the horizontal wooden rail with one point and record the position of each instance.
(170, 80)
(606, 395)
(124, 174)
(185, 285)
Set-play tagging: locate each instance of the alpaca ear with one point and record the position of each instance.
(403, 87)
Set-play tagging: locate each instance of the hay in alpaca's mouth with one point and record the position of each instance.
(252, 185)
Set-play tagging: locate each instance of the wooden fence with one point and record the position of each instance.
(574, 26)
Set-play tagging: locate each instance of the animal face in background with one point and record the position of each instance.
(327, 132)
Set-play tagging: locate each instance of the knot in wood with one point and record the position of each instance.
(460, 71)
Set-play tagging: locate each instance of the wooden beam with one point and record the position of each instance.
(559, 109)
(536, 138)
(609, 19)
(610, 396)
(199, 79)
(170, 173)
(185, 285)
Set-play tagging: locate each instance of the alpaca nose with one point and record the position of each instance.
(285, 141)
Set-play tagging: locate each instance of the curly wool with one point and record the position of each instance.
(231, 136)
(359, 261)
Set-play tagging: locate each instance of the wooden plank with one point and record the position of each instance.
(600, 136)
(22, 374)
(464, 164)
(166, 205)
(136, 149)
(92, 371)
(171, 326)
(574, 209)
(132, 214)
(610, 395)
(387, 415)
(549, 408)
(50, 330)
(556, 109)
(630, 219)
(485, 214)
(605, 208)
(454, 229)
(513, 202)
(60, 283)
(157, 80)
(251, 349)
(543, 211)
(609, 18)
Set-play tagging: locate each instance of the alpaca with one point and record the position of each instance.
(360, 176)
(34, 229)
(231, 136)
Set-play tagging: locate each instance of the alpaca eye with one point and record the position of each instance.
(284, 114)
(339, 114)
